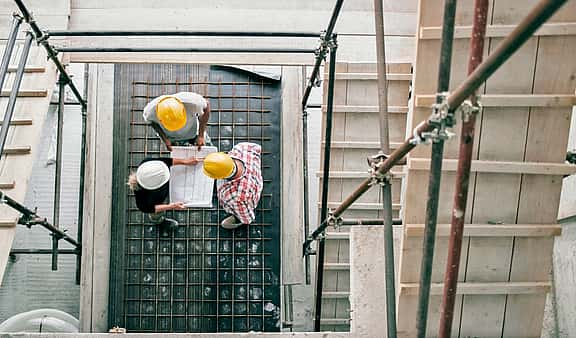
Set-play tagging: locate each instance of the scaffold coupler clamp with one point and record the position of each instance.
(322, 49)
(375, 176)
(441, 119)
(333, 221)
(44, 37)
(467, 109)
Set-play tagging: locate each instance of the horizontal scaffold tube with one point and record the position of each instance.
(181, 50)
(184, 33)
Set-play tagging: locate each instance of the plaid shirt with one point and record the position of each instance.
(240, 196)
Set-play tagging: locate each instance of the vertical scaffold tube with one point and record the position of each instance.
(435, 173)
(462, 175)
(325, 177)
(389, 274)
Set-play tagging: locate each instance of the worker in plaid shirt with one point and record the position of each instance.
(239, 182)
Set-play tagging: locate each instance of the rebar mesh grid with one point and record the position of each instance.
(204, 278)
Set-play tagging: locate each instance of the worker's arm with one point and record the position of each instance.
(203, 122)
(171, 206)
(187, 161)
(162, 135)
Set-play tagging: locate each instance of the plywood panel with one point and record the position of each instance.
(514, 132)
(357, 123)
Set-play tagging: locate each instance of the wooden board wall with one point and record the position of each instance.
(355, 136)
(504, 271)
(23, 136)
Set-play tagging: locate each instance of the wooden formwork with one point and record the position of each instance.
(23, 136)
(517, 170)
(355, 137)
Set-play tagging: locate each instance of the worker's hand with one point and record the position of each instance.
(194, 160)
(168, 145)
(200, 141)
(177, 206)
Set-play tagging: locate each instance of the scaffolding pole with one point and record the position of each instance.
(312, 82)
(181, 50)
(16, 22)
(30, 218)
(369, 221)
(306, 190)
(502, 53)
(435, 175)
(325, 177)
(385, 182)
(463, 172)
(321, 52)
(42, 39)
(80, 219)
(183, 33)
(58, 170)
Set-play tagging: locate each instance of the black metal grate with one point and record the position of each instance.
(204, 278)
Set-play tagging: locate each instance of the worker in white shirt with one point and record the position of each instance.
(179, 119)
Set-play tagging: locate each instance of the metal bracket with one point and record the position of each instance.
(467, 109)
(375, 176)
(45, 36)
(333, 221)
(442, 118)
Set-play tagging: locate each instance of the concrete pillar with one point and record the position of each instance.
(367, 285)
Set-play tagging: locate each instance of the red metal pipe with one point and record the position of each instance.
(462, 176)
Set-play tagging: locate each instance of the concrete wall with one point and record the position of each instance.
(355, 27)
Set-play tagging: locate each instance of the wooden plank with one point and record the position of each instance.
(363, 206)
(7, 184)
(373, 76)
(337, 266)
(28, 69)
(338, 235)
(487, 288)
(8, 223)
(292, 185)
(532, 168)
(352, 47)
(98, 195)
(26, 93)
(335, 294)
(17, 150)
(464, 32)
(362, 5)
(512, 100)
(356, 174)
(335, 321)
(273, 16)
(19, 122)
(366, 109)
(360, 145)
(491, 230)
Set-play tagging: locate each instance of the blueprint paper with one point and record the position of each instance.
(188, 183)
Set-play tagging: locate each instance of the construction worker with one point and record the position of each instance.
(179, 119)
(151, 187)
(239, 182)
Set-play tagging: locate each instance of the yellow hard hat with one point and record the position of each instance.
(218, 165)
(171, 113)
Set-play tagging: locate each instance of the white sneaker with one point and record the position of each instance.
(230, 223)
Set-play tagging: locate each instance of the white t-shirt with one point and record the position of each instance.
(194, 105)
